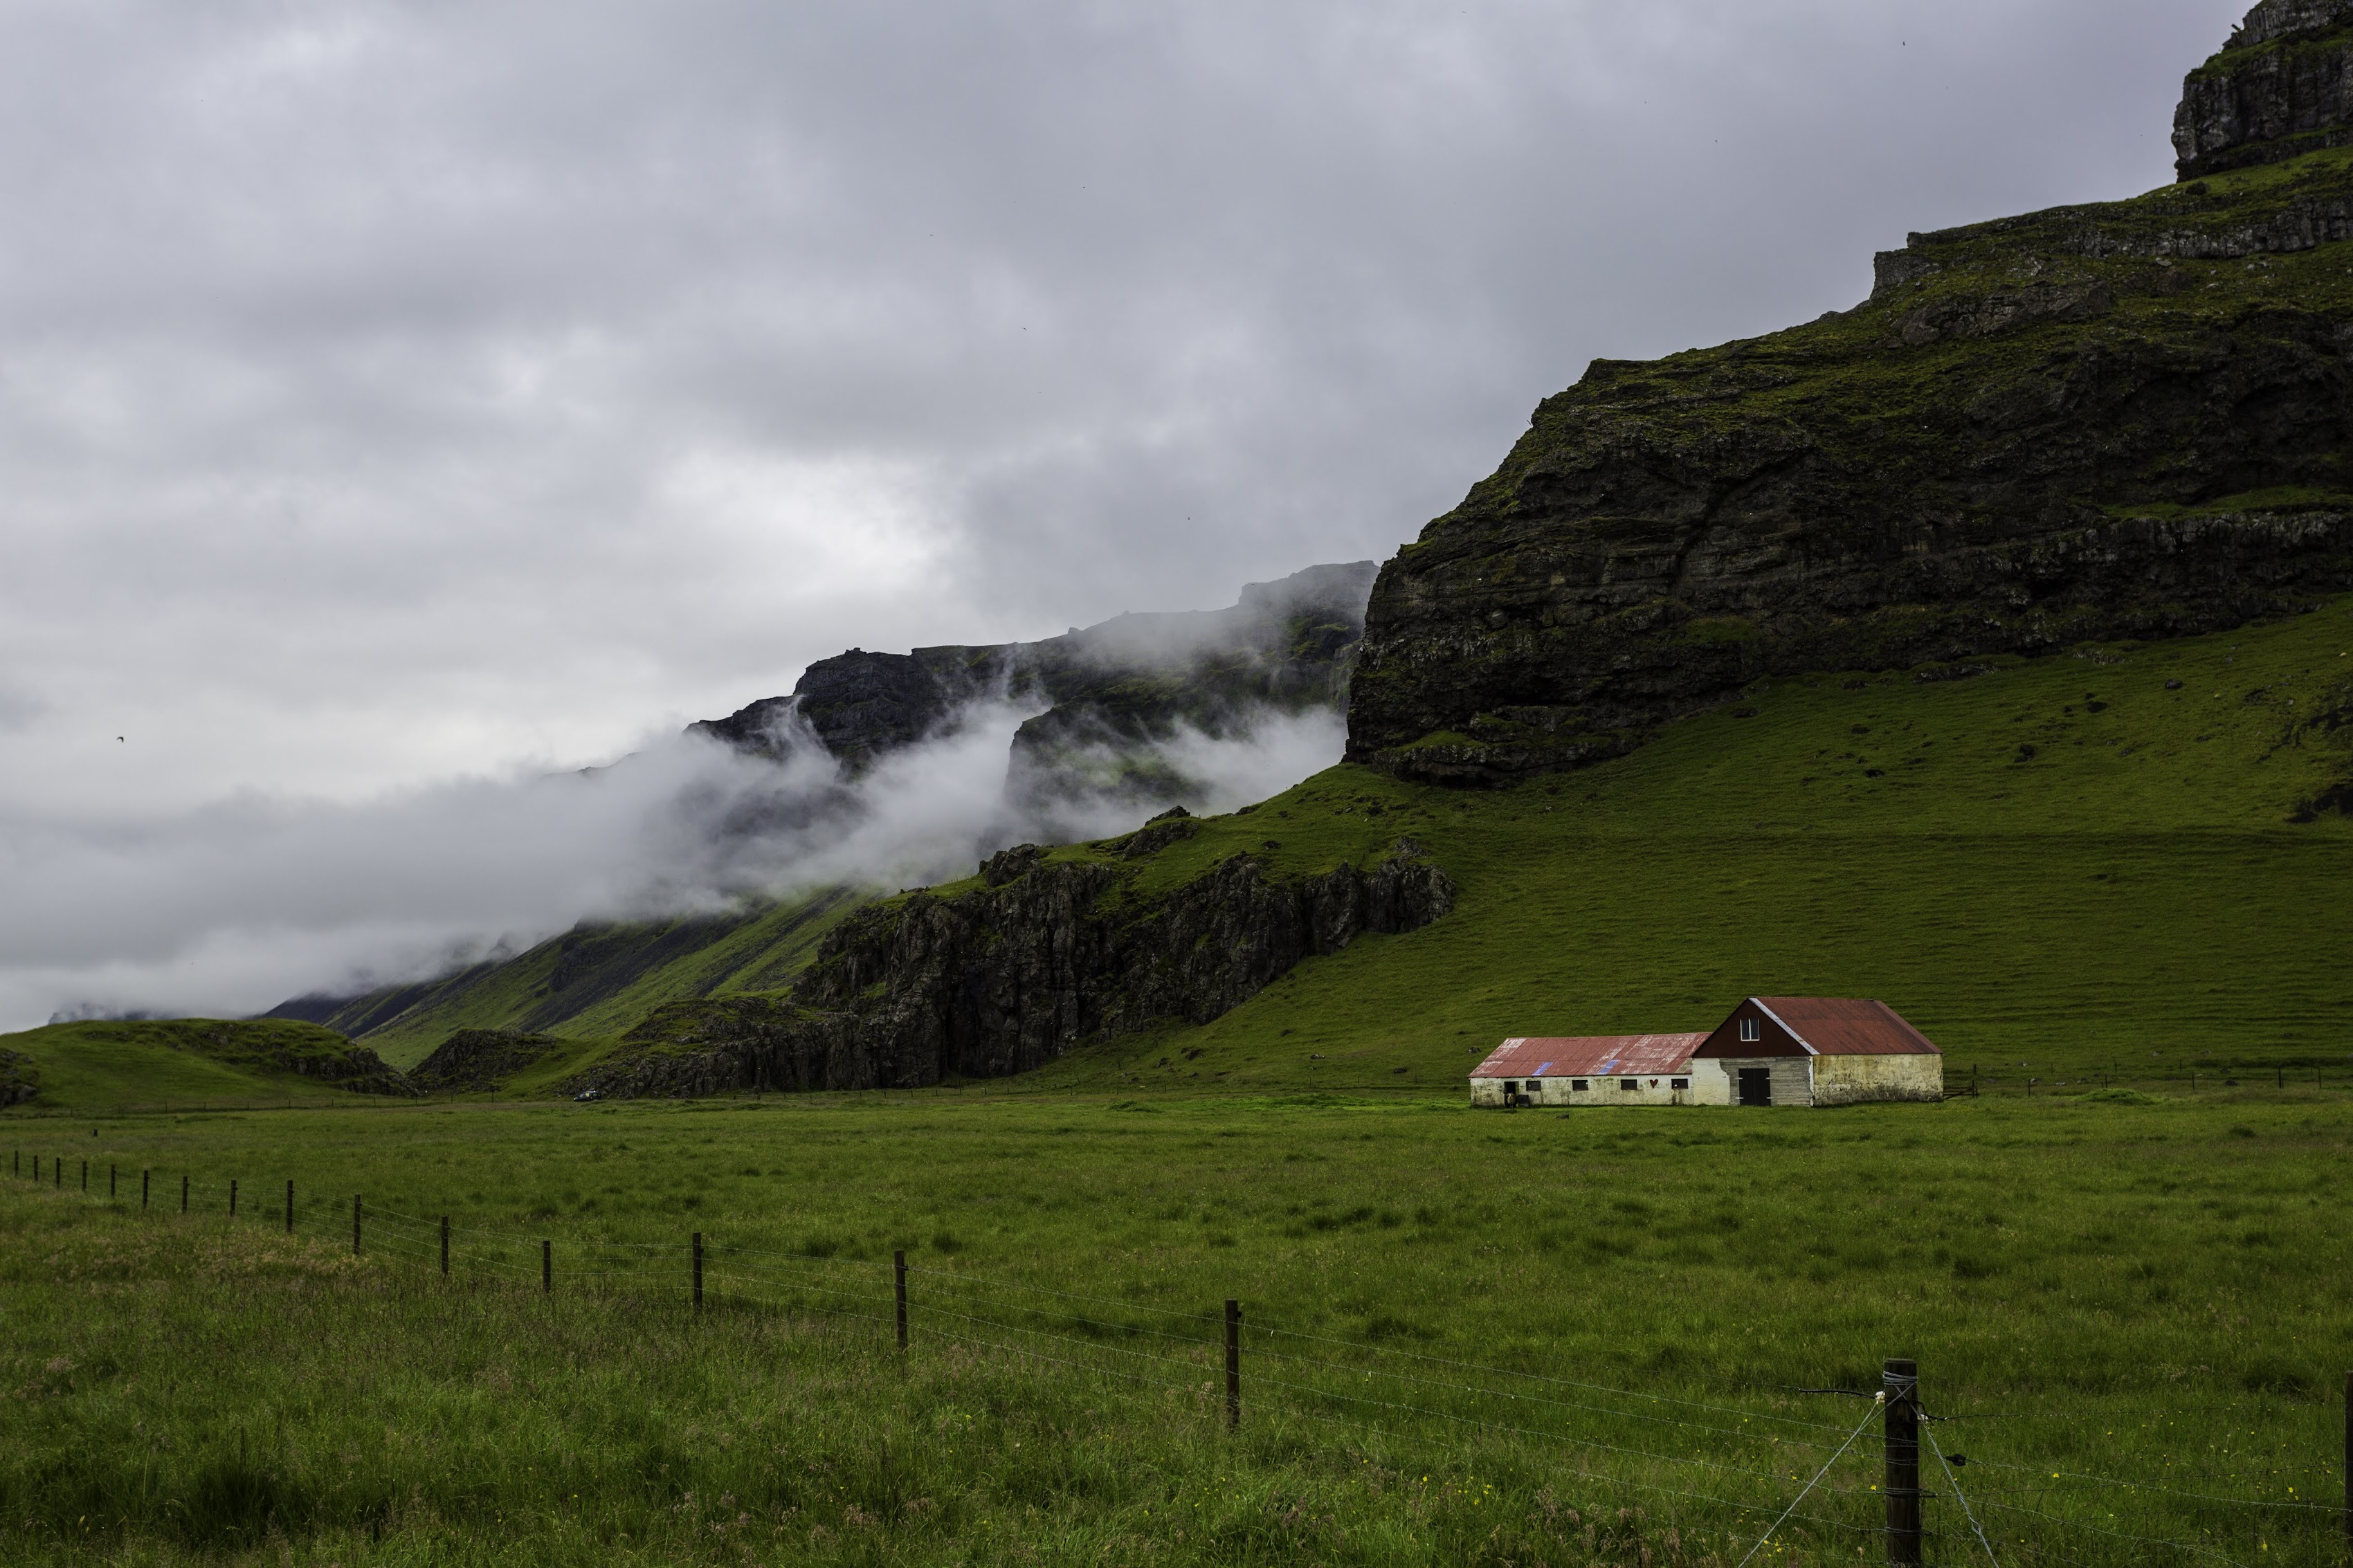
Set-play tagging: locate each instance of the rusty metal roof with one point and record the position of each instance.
(1598, 1056)
(1837, 1027)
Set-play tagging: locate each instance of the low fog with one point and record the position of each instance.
(229, 910)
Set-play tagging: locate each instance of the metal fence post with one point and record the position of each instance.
(1901, 1384)
(1233, 1365)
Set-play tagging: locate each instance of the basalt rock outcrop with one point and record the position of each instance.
(2281, 88)
(2128, 420)
(1045, 955)
(479, 1061)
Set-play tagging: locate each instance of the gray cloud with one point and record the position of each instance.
(396, 392)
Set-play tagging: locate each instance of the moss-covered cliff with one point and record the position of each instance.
(2123, 420)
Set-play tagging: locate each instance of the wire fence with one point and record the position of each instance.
(1760, 1465)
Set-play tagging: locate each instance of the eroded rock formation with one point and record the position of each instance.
(2124, 420)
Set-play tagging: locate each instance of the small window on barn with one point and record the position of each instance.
(1678, 1083)
(1576, 1086)
(1748, 1029)
(1629, 1083)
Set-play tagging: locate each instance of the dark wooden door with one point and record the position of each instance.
(1755, 1086)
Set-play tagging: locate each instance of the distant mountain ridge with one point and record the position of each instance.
(1109, 689)
(1110, 693)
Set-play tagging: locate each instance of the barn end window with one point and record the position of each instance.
(1678, 1083)
(1576, 1086)
(1629, 1084)
(1749, 1031)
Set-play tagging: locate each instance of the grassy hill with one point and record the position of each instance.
(115, 1066)
(594, 981)
(2129, 855)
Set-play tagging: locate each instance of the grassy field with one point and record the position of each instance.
(1471, 1338)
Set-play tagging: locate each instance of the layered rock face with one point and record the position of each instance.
(2122, 421)
(2281, 88)
(1045, 957)
(1104, 690)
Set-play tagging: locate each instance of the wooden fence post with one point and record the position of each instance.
(1900, 1383)
(290, 1208)
(546, 1266)
(1233, 1365)
(698, 1271)
(232, 1197)
(355, 1224)
(898, 1274)
(183, 1194)
(2349, 1459)
(445, 1247)
(109, 1183)
(58, 1172)
(85, 1175)
(143, 1176)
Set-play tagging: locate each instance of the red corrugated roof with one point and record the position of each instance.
(1603, 1056)
(1836, 1026)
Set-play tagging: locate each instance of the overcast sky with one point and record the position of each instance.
(399, 392)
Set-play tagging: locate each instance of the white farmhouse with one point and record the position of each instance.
(1608, 1070)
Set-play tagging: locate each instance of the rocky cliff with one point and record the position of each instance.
(1044, 956)
(1102, 692)
(2124, 420)
(2281, 88)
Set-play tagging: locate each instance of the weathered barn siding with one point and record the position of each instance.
(1792, 1077)
(1845, 1080)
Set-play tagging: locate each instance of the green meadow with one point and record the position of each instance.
(1492, 1338)
(1469, 1338)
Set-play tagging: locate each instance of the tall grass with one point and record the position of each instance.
(1469, 1338)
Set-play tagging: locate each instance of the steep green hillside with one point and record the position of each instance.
(2127, 855)
(595, 981)
(107, 1066)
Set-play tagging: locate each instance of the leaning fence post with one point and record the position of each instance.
(445, 1247)
(899, 1271)
(290, 1208)
(355, 1224)
(546, 1266)
(1901, 1384)
(698, 1271)
(1233, 1365)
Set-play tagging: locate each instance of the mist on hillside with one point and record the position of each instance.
(229, 910)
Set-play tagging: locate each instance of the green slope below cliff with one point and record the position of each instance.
(595, 982)
(2133, 854)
